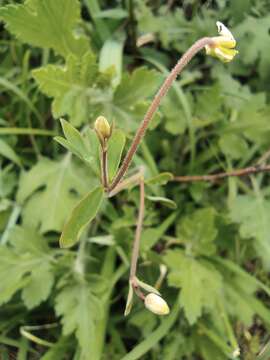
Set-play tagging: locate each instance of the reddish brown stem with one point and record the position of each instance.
(214, 177)
(136, 244)
(104, 165)
(185, 59)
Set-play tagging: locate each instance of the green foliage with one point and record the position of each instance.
(81, 215)
(252, 213)
(79, 309)
(47, 24)
(204, 245)
(49, 191)
(25, 265)
(201, 284)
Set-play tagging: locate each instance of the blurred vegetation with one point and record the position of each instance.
(80, 59)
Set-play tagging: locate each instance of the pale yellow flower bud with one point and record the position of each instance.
(102, 128)
(223, 45)
(156, 304)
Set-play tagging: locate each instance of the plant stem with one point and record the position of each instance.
(136, 244)
(104, 166)
(184, 60)
(241, 172)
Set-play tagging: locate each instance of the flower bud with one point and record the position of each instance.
(156, 304)
(102, 128)
(223, 45)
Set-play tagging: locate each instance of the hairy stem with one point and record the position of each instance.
(136, 244)
(184, 60)
(214, 177)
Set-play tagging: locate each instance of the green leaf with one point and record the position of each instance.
(253, 215)
(33, 293)
(25, 265)
(129, 103)
(164, 201)
(7, 151)
(200, 283)
(151, 236)
(73, 136)
(116, 13)
(115, 148)
(198, 232)
(83, 213)
(252, 40)
(233, 145)
(46, 23)
(50, 190)
(129, 300)
(147, 287)
(71, 86)
(160, 179)
(111, 56)
(79, 309)
(59, 349)
(137, 86)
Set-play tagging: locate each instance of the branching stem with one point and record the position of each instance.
(184, 60)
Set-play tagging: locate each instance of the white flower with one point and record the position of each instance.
(223, 46)
(156, 304)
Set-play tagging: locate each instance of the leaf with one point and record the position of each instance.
(46, 23)
(50, 190)
(83, 213)
(129, 300)
(111, 56)
(200, 283)
(151, 236)
(198, 232)
(33, 293)
(137, 86)
(147, 287)
(252, 40)
(115, 148)
(164, 201)
(233, 145)
(70, 86)
(59, 349)
(116, 13)
(79, 309)
(26, 264)
(129, 103)
(73, 136)
(160, 179)
(7, 151)
(253, 215)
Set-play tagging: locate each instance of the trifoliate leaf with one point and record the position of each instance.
(198, 232)
(46, 23)
(50, 190)
(199, 281)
